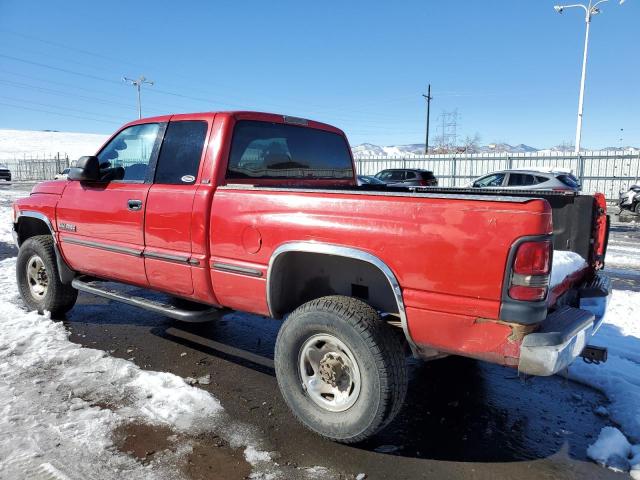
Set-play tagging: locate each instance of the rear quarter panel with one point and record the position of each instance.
(449, 255)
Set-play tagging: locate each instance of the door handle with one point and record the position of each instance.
(134, 205)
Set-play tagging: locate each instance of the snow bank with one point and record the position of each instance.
(564, 264)
(618, 378)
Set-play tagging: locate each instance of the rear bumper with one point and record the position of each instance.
(564, 334)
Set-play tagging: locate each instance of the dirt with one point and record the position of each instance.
(211, 457)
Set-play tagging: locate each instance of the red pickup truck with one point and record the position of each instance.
(262, 213)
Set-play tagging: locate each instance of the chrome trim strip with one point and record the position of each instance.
(102, 246)
(227, 267)
(337, 250)
(166, 256)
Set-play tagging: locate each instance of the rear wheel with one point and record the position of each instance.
(637, 208)
(38, 279)
(340, 368)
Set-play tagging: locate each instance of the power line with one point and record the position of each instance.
(102, 115)
(21, 107)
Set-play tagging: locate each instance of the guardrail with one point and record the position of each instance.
(599, 171)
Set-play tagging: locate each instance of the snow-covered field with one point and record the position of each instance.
(15, 144)
(60, 404)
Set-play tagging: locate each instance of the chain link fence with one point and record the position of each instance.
(36, 168)
(599, 171)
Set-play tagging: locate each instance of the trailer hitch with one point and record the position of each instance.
(593, 354)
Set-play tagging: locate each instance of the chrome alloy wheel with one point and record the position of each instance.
(37, 277)
(329, 373)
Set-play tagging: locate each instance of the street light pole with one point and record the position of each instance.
(138, 84)
(590, 10)
(582, 81)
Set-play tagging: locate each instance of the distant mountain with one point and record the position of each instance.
(371, 150)
(505, 147)
(365, 150)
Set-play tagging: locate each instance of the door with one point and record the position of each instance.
(101, 224)
(168, 225)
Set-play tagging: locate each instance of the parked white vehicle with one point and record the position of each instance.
(62, 175)
(528, 179)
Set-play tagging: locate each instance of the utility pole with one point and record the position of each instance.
(428, 98)
(138, 84)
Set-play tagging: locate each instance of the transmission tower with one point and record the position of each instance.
(448, 130)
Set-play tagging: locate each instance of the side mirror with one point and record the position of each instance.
(87, 169)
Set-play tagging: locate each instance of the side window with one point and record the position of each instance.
(541, 179)
(180, 153)
(494, 180)
(410, 176)
(126, 157)
(521, 179)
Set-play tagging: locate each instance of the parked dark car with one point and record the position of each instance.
(407, 177)
(5, 173)
(369, 180)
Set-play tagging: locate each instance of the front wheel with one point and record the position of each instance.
(340, 368)
(38, 279)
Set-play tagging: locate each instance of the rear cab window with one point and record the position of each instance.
(269, 150)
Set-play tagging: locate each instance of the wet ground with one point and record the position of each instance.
(462, 418)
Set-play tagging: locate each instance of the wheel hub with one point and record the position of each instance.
(37, 277)
(329, 373)
(334, 371)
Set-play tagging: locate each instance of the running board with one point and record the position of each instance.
(193, 316)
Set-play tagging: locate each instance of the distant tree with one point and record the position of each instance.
(471, 143)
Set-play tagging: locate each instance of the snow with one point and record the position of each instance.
(564, 264)
(15, 144)
(60, 403)
(609, 448)
(619, 377)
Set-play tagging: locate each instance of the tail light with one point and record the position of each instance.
(601, 233)
(531, 271)
(428, 183)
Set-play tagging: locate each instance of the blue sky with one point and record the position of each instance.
(510, 67)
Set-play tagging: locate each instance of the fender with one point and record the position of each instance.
(65, 273)
(340, 251)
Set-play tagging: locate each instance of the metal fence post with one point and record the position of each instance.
(454, 170)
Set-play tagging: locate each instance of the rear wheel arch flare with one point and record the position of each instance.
(288, 288)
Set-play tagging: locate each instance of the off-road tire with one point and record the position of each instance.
(637, 208)
(59, 298)
(377, 350)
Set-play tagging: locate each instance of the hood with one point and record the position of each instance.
(53, 187)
